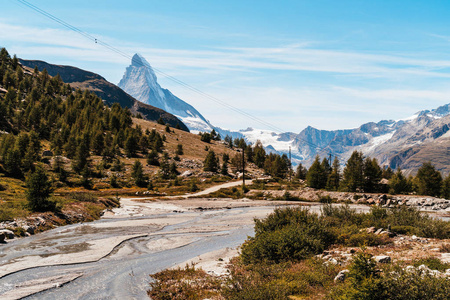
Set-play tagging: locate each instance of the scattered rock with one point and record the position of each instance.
(8, 233)
(370, 229)
(341, 276)
(383, 259)
(2, 237)
(186, 173)
(29, 229)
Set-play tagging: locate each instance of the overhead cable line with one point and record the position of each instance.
(176, 80)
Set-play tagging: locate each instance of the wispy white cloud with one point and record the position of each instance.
(243, 77)
(296, 57)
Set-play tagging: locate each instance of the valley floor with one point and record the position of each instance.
(111, 258)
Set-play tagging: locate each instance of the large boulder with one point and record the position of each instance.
(8, 233)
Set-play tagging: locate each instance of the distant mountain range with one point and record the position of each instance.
(405, 143)
(109, 92)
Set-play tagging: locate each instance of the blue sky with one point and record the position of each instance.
(328, 64)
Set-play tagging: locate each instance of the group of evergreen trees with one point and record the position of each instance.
(364, 174)
(273, 164)
(37, 109)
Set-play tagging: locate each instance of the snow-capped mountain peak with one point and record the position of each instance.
(140, 81)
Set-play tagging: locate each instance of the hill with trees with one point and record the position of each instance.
(110, 93)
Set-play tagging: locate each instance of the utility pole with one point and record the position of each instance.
(290, 164)
(243, 168)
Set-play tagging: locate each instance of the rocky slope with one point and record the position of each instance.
(109, 92)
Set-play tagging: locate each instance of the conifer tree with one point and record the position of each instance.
(179, 150)
(38, 191)
(82, 154)
(259, 154)
(138, 174)
(372, 175)
(98, 143)
(164, 169)
(353, 176)
(301, 172)
(326, 167)
(211, 162)
(335, 176)
(316, 177)
(12, 162)
(429, 180)
(86, 175)
(398, 183)
(387, 173)
(131, 146)
(445, 193)
(152, 158)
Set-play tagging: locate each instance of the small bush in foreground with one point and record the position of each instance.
(305, 279)
(186, 283)
(365, 281)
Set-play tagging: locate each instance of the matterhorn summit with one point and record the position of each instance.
(140, 82)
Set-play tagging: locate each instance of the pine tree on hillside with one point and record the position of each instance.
(445, 192)
(38, 191)
(259, 154)
(82, 154)
(326, 167)
(137, 174)
(211, 162)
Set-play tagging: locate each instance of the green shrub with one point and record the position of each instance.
(83, 197)
(287, 234)
(433, 263)
(366, 282)
(404, 229)
(367, 239)
(325, 199)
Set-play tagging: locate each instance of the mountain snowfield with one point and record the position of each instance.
(404, 143)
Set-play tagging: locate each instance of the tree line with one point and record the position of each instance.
(273, 164)
(364, 174)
